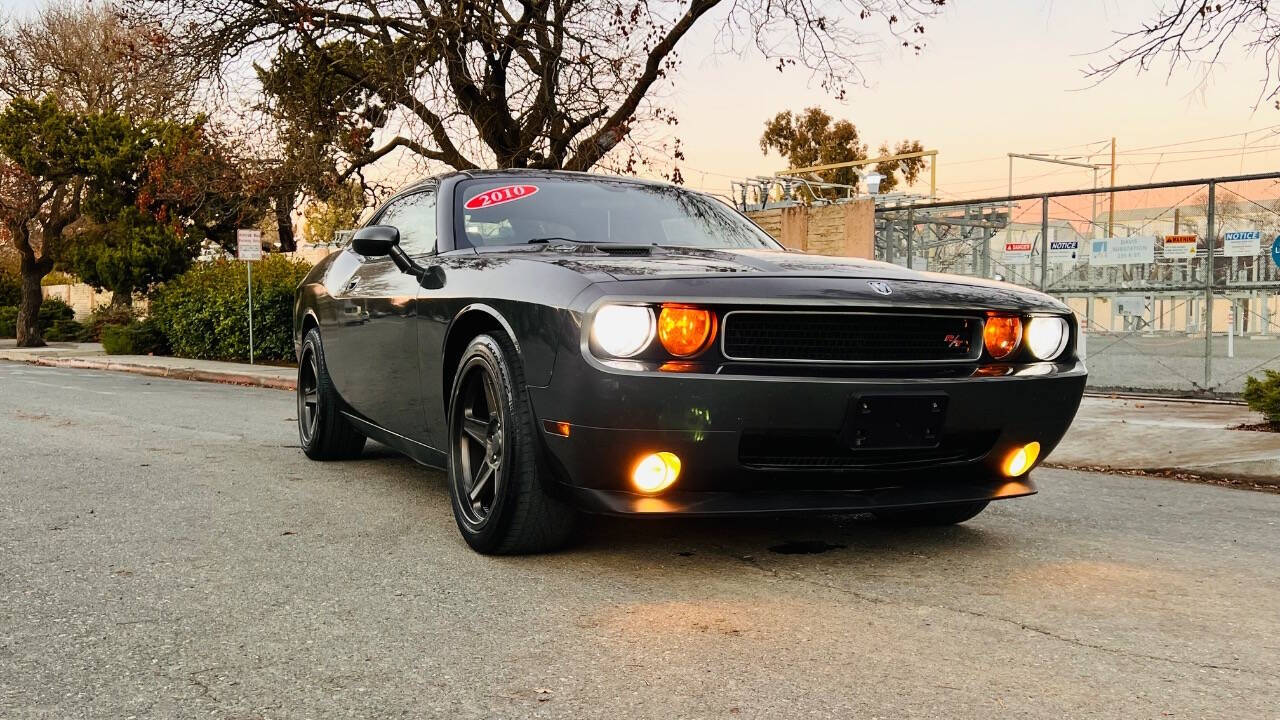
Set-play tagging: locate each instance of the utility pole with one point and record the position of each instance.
(1111, 209)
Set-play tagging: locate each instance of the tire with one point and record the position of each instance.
(932, 515)
(323, 432)
(497, 476)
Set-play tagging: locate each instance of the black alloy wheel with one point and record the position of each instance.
(479, 440)
(308, 395)
(499, 484)
(323, 432)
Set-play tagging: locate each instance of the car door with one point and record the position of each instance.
(380, 377)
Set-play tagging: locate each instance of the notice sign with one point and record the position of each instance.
(1179, 247)
(1064, 251)
(1017, 251)
(1247, 243)
(249, 245)
(1133, 250)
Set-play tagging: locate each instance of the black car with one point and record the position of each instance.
(564, 342)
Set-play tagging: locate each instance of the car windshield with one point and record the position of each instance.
(518, 211)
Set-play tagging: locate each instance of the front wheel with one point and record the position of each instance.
(933, 515)
(497, 483)
(322, 430)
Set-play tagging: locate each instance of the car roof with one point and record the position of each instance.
(525, 173)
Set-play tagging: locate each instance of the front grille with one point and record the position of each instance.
(819, 451)
(850, 337)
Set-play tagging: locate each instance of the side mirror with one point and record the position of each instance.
(375, 240)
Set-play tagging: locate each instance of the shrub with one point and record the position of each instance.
(53, 310)
(107, 315)
(136, 338)
(57, 321)
(10, 288)
(63, 330)
(57, 278)
(8, 321)
(1264, 395)
(204, 312)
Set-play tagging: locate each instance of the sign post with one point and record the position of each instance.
(1231, 329)
(249, 249)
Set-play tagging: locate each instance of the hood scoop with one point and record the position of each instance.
(625, 250)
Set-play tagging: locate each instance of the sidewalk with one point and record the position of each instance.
(1168, 437)
(90, 356)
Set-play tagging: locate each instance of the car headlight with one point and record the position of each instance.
(622, 330)
(1047, 336)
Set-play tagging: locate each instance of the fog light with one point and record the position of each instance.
(1022, 459)
(656, 472)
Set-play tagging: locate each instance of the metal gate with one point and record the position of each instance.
(1175, 282)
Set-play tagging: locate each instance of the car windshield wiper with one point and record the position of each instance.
(555, 239)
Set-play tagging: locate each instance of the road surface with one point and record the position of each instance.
(167, 552)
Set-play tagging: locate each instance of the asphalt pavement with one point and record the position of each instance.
(167, 552)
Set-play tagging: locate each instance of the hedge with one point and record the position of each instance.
(136, 338)
(204, 312)
(57, 321)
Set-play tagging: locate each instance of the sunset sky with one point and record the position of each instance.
(995, 77)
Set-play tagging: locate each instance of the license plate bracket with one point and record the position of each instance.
(891, 422)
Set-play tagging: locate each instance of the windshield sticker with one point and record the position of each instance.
(500, 195)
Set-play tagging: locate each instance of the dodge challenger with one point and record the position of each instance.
(562, 343)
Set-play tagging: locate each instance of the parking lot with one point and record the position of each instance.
(166, 550)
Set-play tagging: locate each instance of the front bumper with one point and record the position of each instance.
(742, 439)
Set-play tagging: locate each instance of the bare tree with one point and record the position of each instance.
(514, 83)
(92, 60)
(1185, 34)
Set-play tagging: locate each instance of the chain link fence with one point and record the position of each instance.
(1175, 283)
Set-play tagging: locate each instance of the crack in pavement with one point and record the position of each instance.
(880, 600)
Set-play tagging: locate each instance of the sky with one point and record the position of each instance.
(994, 78)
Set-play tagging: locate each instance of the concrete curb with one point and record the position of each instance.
(175, 373)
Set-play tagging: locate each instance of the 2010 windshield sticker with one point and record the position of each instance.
(500, 195)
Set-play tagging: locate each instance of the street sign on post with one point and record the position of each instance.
(249, 245)
(1275, 251)
(249, 249)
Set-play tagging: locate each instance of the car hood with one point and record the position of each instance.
(678, 262)
(662, 262)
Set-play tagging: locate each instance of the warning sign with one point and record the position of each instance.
(1179, 247)
(1017, 251)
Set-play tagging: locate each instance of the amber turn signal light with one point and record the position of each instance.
(685, 331)
(1002, 335)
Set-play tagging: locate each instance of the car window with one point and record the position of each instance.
(415, 217)
(517, 211)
